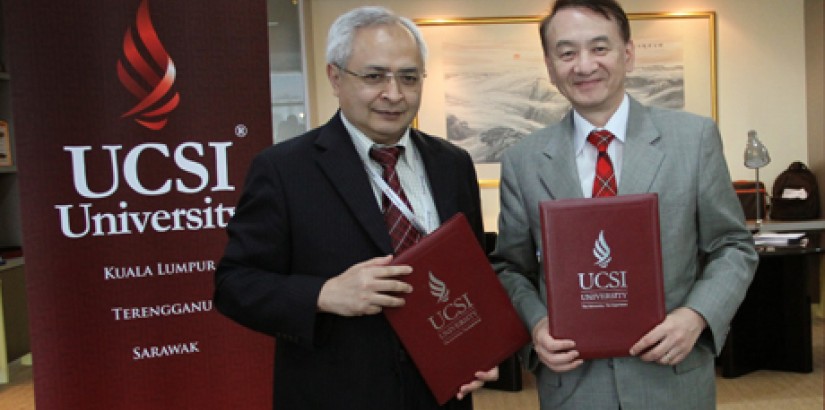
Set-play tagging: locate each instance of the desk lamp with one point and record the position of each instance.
(756, 156)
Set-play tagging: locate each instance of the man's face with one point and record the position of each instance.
(385, 109)
(588, 61)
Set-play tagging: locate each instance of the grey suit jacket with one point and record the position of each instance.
(708, 254)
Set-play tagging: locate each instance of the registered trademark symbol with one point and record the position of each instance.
(241, 130)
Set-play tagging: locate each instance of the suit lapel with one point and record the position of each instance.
(340, 163)
(436, 165)
(642, 159)
(556, 165)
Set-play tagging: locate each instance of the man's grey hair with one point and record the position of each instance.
(342, 31)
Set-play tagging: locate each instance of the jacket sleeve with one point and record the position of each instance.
(515, 257)
(252, 284)
(726, 245)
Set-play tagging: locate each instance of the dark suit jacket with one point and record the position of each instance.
(308, 212)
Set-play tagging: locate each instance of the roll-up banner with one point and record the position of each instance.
(135, 122)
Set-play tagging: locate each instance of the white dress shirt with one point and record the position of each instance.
(411, 173)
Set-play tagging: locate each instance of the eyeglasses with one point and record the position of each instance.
(406, 78)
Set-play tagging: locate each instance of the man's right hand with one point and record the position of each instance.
(365, 288)
(557, 354)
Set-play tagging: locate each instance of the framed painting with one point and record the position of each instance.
(487, 85)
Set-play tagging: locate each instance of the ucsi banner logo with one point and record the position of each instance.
(147, 72)
(104, 175)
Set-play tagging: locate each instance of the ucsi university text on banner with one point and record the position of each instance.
(135, 123)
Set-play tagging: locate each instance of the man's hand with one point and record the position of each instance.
(671, 341)
(481, 378)
(365, 288)
(557, 354)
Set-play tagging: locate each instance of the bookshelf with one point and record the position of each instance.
(10, 226)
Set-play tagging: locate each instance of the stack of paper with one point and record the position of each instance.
(778, 239)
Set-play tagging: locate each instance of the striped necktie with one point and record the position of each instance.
(604, 184)
(402, 231)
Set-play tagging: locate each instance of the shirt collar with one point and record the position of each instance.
(617, 124)
(363, 144)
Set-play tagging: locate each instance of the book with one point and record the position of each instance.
(458, 319)
(603, 271)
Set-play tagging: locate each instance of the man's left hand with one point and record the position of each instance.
(671, 341)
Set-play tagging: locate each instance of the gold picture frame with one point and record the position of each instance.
(681, 46)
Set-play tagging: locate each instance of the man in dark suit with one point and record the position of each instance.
(707, 253)
(309, 258)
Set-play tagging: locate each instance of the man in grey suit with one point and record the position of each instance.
(708, 254)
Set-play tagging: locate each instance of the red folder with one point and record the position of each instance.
(458, 319)
(603, 270)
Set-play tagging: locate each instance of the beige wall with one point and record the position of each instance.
(761, 68)
(815, 49)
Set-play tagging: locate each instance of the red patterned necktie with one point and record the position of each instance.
(402, 231)
(605, 182)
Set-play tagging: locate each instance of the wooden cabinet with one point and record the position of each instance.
(14, 319)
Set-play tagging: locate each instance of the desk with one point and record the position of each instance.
(772, 328)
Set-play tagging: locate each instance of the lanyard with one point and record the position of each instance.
(396, 200)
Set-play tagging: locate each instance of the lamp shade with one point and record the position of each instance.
(756, 155)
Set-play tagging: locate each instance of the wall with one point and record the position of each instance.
(761, 68)
(815, 54)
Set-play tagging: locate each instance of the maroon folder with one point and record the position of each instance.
(603, 269)
(458, 319)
